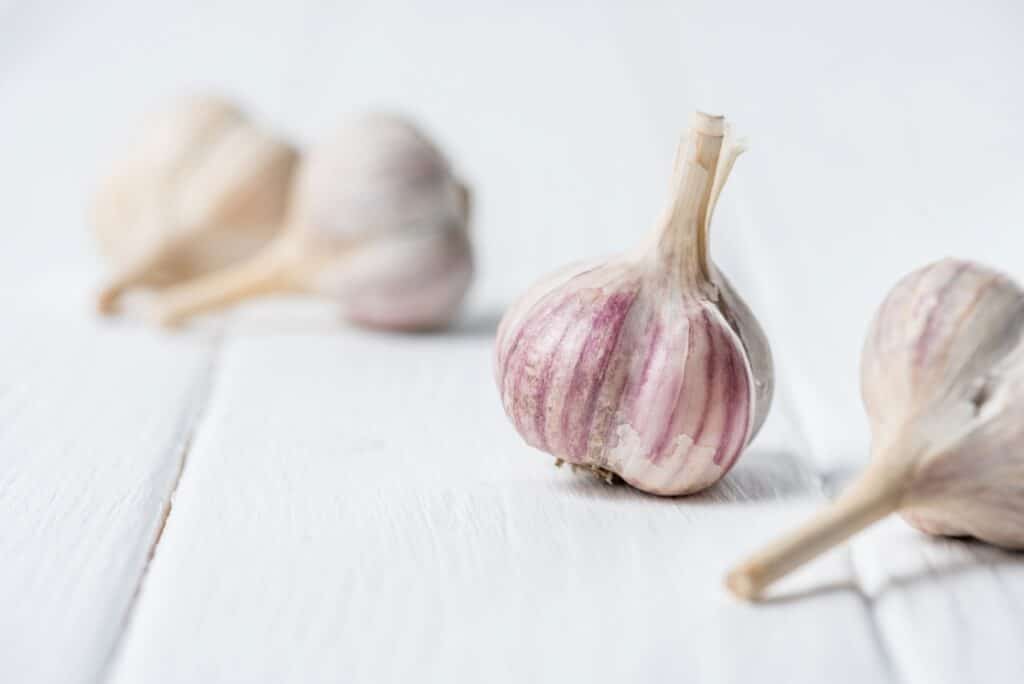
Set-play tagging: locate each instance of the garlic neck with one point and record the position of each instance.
(682, 244)
(896, 455)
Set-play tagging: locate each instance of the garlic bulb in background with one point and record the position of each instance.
(942, 376)
(201, 187)
(378, 223)
(648, 366)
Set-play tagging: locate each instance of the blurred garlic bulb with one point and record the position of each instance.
(647, 366)
(378, 223)
(201, 187)
(942, 377)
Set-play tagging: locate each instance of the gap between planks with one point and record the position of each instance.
(877, 632)
(785, 400)
(191, 423)
(803, 454)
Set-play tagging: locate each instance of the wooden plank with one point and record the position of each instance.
(952, 609)
(868, 164)
(94, 423)
(550, 134)
(323, 526)
(357, 508)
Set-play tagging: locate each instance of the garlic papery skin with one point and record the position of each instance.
(942, 378)
(201, 187)
(647, 366)
(378, 223)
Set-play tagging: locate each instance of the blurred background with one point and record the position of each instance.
(883, 135)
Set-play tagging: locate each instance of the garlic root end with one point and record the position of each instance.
(107, 300)
(684, 234)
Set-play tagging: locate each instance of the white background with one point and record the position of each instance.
(350, 506)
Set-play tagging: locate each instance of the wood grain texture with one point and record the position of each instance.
(950, 609)
(94, 423)
(355, 507)
(395, 529)
(876, 185)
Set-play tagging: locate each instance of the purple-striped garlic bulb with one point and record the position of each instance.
(648, 366)
(378, 223)
(201, 187)
(942, 377)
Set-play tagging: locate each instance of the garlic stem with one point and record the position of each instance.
(731, 150)
(270, 271)
(876, 494)
(684, 234)
(710, 130)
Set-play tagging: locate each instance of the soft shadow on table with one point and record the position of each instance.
(475, 324)
(835, 480)
(984, 556)
(770, 476)
(302, 318)
(806, 593)
(588, 486)
(761, 476)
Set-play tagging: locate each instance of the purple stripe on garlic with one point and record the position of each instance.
(648, 366)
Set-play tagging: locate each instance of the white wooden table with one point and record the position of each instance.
(273, 497)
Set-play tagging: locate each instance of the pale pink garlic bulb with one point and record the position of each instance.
(648, 366)
(378, 223)
(201, 186)
(942, 376)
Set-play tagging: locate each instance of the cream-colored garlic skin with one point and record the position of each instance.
(200, 187)
(378, 223)
(649, 365)
(943, 378)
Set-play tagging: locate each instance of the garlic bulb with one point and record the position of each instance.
(942, 376)
(648, 366)
(379, 224)
(200, 188)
